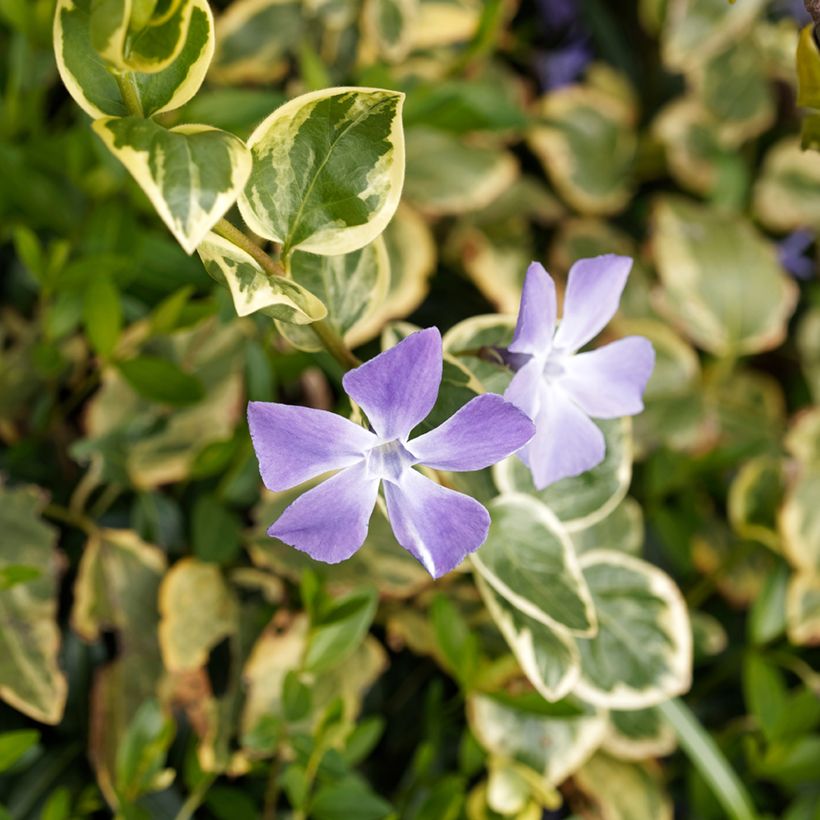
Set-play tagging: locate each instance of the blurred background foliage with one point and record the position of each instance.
(158, 654)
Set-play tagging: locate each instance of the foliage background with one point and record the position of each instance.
(134, 579)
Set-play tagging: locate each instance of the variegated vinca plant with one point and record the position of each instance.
(598, 631)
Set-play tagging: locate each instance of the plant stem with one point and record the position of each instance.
(66, 516)
(708, 759)
(241, 240)
(195, 798)
(130, 95)
(335, 344)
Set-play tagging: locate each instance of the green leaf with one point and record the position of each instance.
(587, 146)
(388, 28)
(765, 693)
(580, 501)
(141, 755)
(254, 39)
(192, 174)
(549, 658)
(554, 746)
(215, 531)
(351, 286)
(155, 45)
(252, 289)
(808, 69)
(803, 609)
(197, 611)
(639, 734)
(162, 381)
(13, 745)
(30, 676)
(13, 574)
(447, 176)
(457, 643)
(341, 628)
(327, 170)
(642, 652)
(745, 309)
(95, 89)
(102, 315)
(622, 530)
(529, 560)
(296, 697)
(348, 800)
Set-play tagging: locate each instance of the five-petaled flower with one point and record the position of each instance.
(561, 389)
(396, 390)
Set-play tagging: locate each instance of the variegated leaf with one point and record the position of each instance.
(328, 169)
(620, 790)
(695, 30)
(587, 146)
(800, 520)
(197, 610)
(351, 286)
(151, 45)
(549, 658)
(642, 652)
(722, 281)
(95, 88)
(787, 192)
(621, 530)
(583, 500)
(253, 38)
(445, 22)
(252, 289)
(388, 27)
(639, 734)
(30, 676)
(552, 745)
(803, 609)
(471, 342)
(446, 176)
(192, 173)
(529, 560)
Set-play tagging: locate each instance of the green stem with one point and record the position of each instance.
(66, 516)
(241, 240)
(130, 95)
(195, 798)
(328, 336)
(708, 759)
(335, 344)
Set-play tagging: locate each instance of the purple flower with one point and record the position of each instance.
(396, 390)
(793, 256)
(563, 65)
(561, 389)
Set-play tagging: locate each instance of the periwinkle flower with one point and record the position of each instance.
(561, 389)
(396, 390)
(792, 251)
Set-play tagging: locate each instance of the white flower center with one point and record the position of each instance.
(388, 460)
(555, 364)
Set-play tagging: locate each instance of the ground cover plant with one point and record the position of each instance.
(409, 408)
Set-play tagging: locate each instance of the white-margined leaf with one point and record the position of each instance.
(94, 87)
(351, 286)
(549, 658)
(803, 609)
(388, 28)
(252, 289)
(471, 342)
(528, 559)
(554, 745)
(328, 169)
(253, 39)
(641, 654)
(639, 734)
(621, 530)
(722, 281)
(192, 173)
(583, 500)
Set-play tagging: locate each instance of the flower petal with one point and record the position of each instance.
(536, 316)
(566, 442)
(294, 444)
(481, 433)
(609, 382)
(398, 388)
(524, 391)
(439, 527)
(593, 292)
(330, 521)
